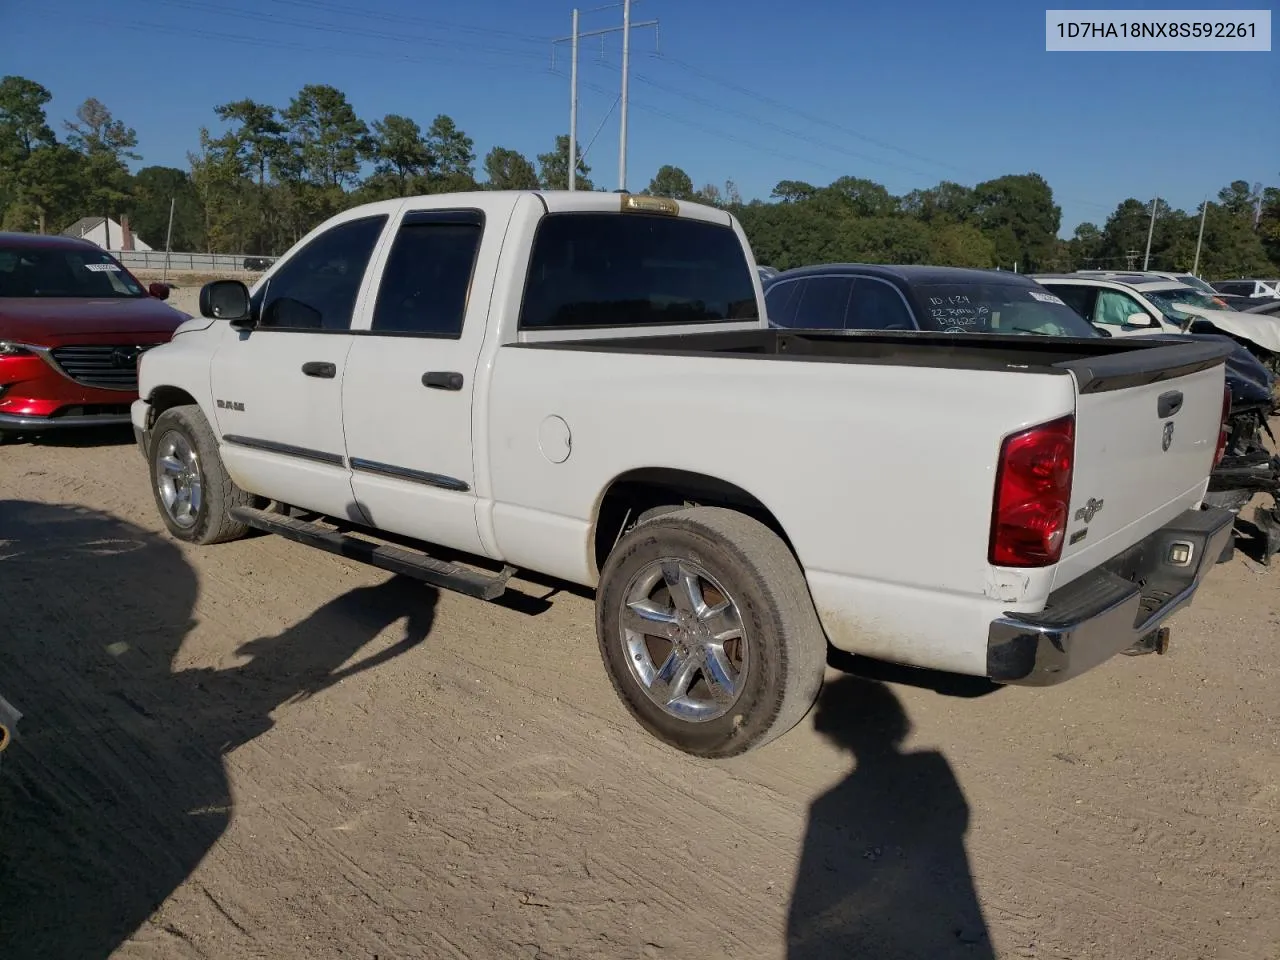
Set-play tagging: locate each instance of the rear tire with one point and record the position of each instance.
(707, 696)
(193, 491)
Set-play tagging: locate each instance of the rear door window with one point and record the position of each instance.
(634, 269)
(877, 305)
(823, 303)
(425, 283)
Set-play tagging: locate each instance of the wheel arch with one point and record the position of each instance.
(632, 493)
(167, 397)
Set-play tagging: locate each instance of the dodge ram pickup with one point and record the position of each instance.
(584, 386)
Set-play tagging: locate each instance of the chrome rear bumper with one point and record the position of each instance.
(1111, 609)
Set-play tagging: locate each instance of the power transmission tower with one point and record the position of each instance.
(573, 39)
(1129, 257)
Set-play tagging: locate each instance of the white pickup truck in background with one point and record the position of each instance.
(583, 385)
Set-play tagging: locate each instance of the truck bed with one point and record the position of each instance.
(1099, 365)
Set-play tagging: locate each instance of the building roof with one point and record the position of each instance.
(83, 226)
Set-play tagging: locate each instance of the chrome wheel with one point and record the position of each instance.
(178, 478)
(683, 639)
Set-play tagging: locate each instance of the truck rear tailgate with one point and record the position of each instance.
(1147, 427)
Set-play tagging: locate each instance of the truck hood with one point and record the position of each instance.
(1260, 329)
(50, 321)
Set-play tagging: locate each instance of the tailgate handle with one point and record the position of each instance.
(1169, 403)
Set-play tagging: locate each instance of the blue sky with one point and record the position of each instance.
(906, 93)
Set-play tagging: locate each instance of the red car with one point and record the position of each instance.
(72, 324)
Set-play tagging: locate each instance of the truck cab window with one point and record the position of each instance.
(606, 270)
(316, 288)
(427, 278)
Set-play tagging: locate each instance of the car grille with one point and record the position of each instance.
(111, 366)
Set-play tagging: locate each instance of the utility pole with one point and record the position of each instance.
(573, 40)
(168, 237)
(1204, 210)
(626, 62)
(573, 108)
(1146, 260)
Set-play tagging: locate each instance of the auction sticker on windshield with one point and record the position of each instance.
(1182, 31)
(1046, 298)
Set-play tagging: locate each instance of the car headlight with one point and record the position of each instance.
(10, 349)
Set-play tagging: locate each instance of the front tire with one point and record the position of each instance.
(193, 491)
(708, 632)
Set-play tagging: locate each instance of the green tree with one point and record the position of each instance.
(23, 124)
(960, 245)
(453, 151)
(49, 190)
(258, 137)
(553, 168)
(1017, 211)
(106, 144)
(37, 175)
(326, 136)
(792, 191)
(509, 170)
(861, 198)
(154, 188)
(400, 152)
(671, 182)
(948, 202)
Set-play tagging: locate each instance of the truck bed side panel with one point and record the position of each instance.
(882, 476)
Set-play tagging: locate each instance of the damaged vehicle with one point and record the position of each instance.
(1136, 305)
(857, 297)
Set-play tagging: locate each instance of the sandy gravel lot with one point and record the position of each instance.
(259, 751)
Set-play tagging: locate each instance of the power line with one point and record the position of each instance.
(336, 52)
(239, 13)
(365, 14)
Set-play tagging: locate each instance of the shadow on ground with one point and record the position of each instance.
(883, 871)
(117, 788)
(89, 437)
(941, 682)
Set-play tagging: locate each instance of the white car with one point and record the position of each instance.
(1248, 288)
(1188, 279)
(1134, 308)
(584, 385)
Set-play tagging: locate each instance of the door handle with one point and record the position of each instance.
(317, 368)
(442, 380)
(1168, 404)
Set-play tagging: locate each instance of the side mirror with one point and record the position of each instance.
(226, 300)
(159, 290)
(1139, 320)
(1102, 331)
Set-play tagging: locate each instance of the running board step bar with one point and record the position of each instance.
(409, 563)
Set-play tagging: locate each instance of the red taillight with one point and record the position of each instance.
(1033, 495)
(1224, 431)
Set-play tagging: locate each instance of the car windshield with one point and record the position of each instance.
(52, 272)
(1170, 300)
(997, 307)
(1197, 283)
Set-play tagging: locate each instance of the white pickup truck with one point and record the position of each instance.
(584, 385)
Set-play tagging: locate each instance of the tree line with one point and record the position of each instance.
(270, 173)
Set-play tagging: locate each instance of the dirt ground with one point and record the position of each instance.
(256, 750)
